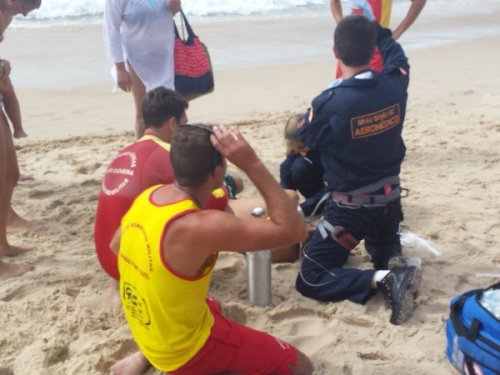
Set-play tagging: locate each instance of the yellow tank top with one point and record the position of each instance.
(167, 313)
(385, 13)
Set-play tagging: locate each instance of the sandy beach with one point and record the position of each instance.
(51, 319)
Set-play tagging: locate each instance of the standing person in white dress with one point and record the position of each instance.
(139, 36)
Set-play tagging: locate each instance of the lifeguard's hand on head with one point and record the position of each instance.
(233, 146)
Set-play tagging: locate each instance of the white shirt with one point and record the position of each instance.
(141, 32)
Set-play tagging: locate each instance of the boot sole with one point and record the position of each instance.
(408, 304)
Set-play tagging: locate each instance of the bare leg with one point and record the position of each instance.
(139, 91)
(14, 221)
(286, 254)
(135, 364)
(17, 223)
(7, 182)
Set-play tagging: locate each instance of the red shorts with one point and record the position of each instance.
(236, 349)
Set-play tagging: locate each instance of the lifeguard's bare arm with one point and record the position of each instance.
(413, 13)
(336, 9)
(283, 226)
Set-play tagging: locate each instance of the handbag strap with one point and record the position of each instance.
(189, 29)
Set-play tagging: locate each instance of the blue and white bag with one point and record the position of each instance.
(473, 335)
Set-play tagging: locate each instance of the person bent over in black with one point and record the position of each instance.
(356, 126)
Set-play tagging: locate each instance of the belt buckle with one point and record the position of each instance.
(350, 206)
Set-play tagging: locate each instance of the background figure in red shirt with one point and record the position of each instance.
(382, 11)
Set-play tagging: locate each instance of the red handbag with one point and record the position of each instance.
(193, 68)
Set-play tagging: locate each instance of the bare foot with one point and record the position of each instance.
(12, 251)
(19, 133)
(14, 269)
(25, 177)
(135, 364)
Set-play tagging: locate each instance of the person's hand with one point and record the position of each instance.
(123, 79)
(396, 34)
(174, 6)
(233, 146)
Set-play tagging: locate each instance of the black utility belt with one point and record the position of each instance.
(366, 199)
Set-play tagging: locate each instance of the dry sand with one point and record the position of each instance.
(50, 322)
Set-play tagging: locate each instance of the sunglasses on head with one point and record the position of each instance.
(217, 156)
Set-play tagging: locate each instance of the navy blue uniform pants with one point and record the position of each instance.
(322, 276)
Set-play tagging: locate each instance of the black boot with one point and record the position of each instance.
(400, 288)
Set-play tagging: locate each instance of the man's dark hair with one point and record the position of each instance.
(161, 104)
(192, 155)
(355, 39)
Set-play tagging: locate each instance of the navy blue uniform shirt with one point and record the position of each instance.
(357, 125)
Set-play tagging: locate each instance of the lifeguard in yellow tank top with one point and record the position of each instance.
(167, 332)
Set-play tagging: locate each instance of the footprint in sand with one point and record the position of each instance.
(82, 170)
(55, 204)
(40, 194)
(88, 183)
(376, 356)
(87, 169)
(356, 321)
(21, 292)
(298, 312)
(42, 353)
